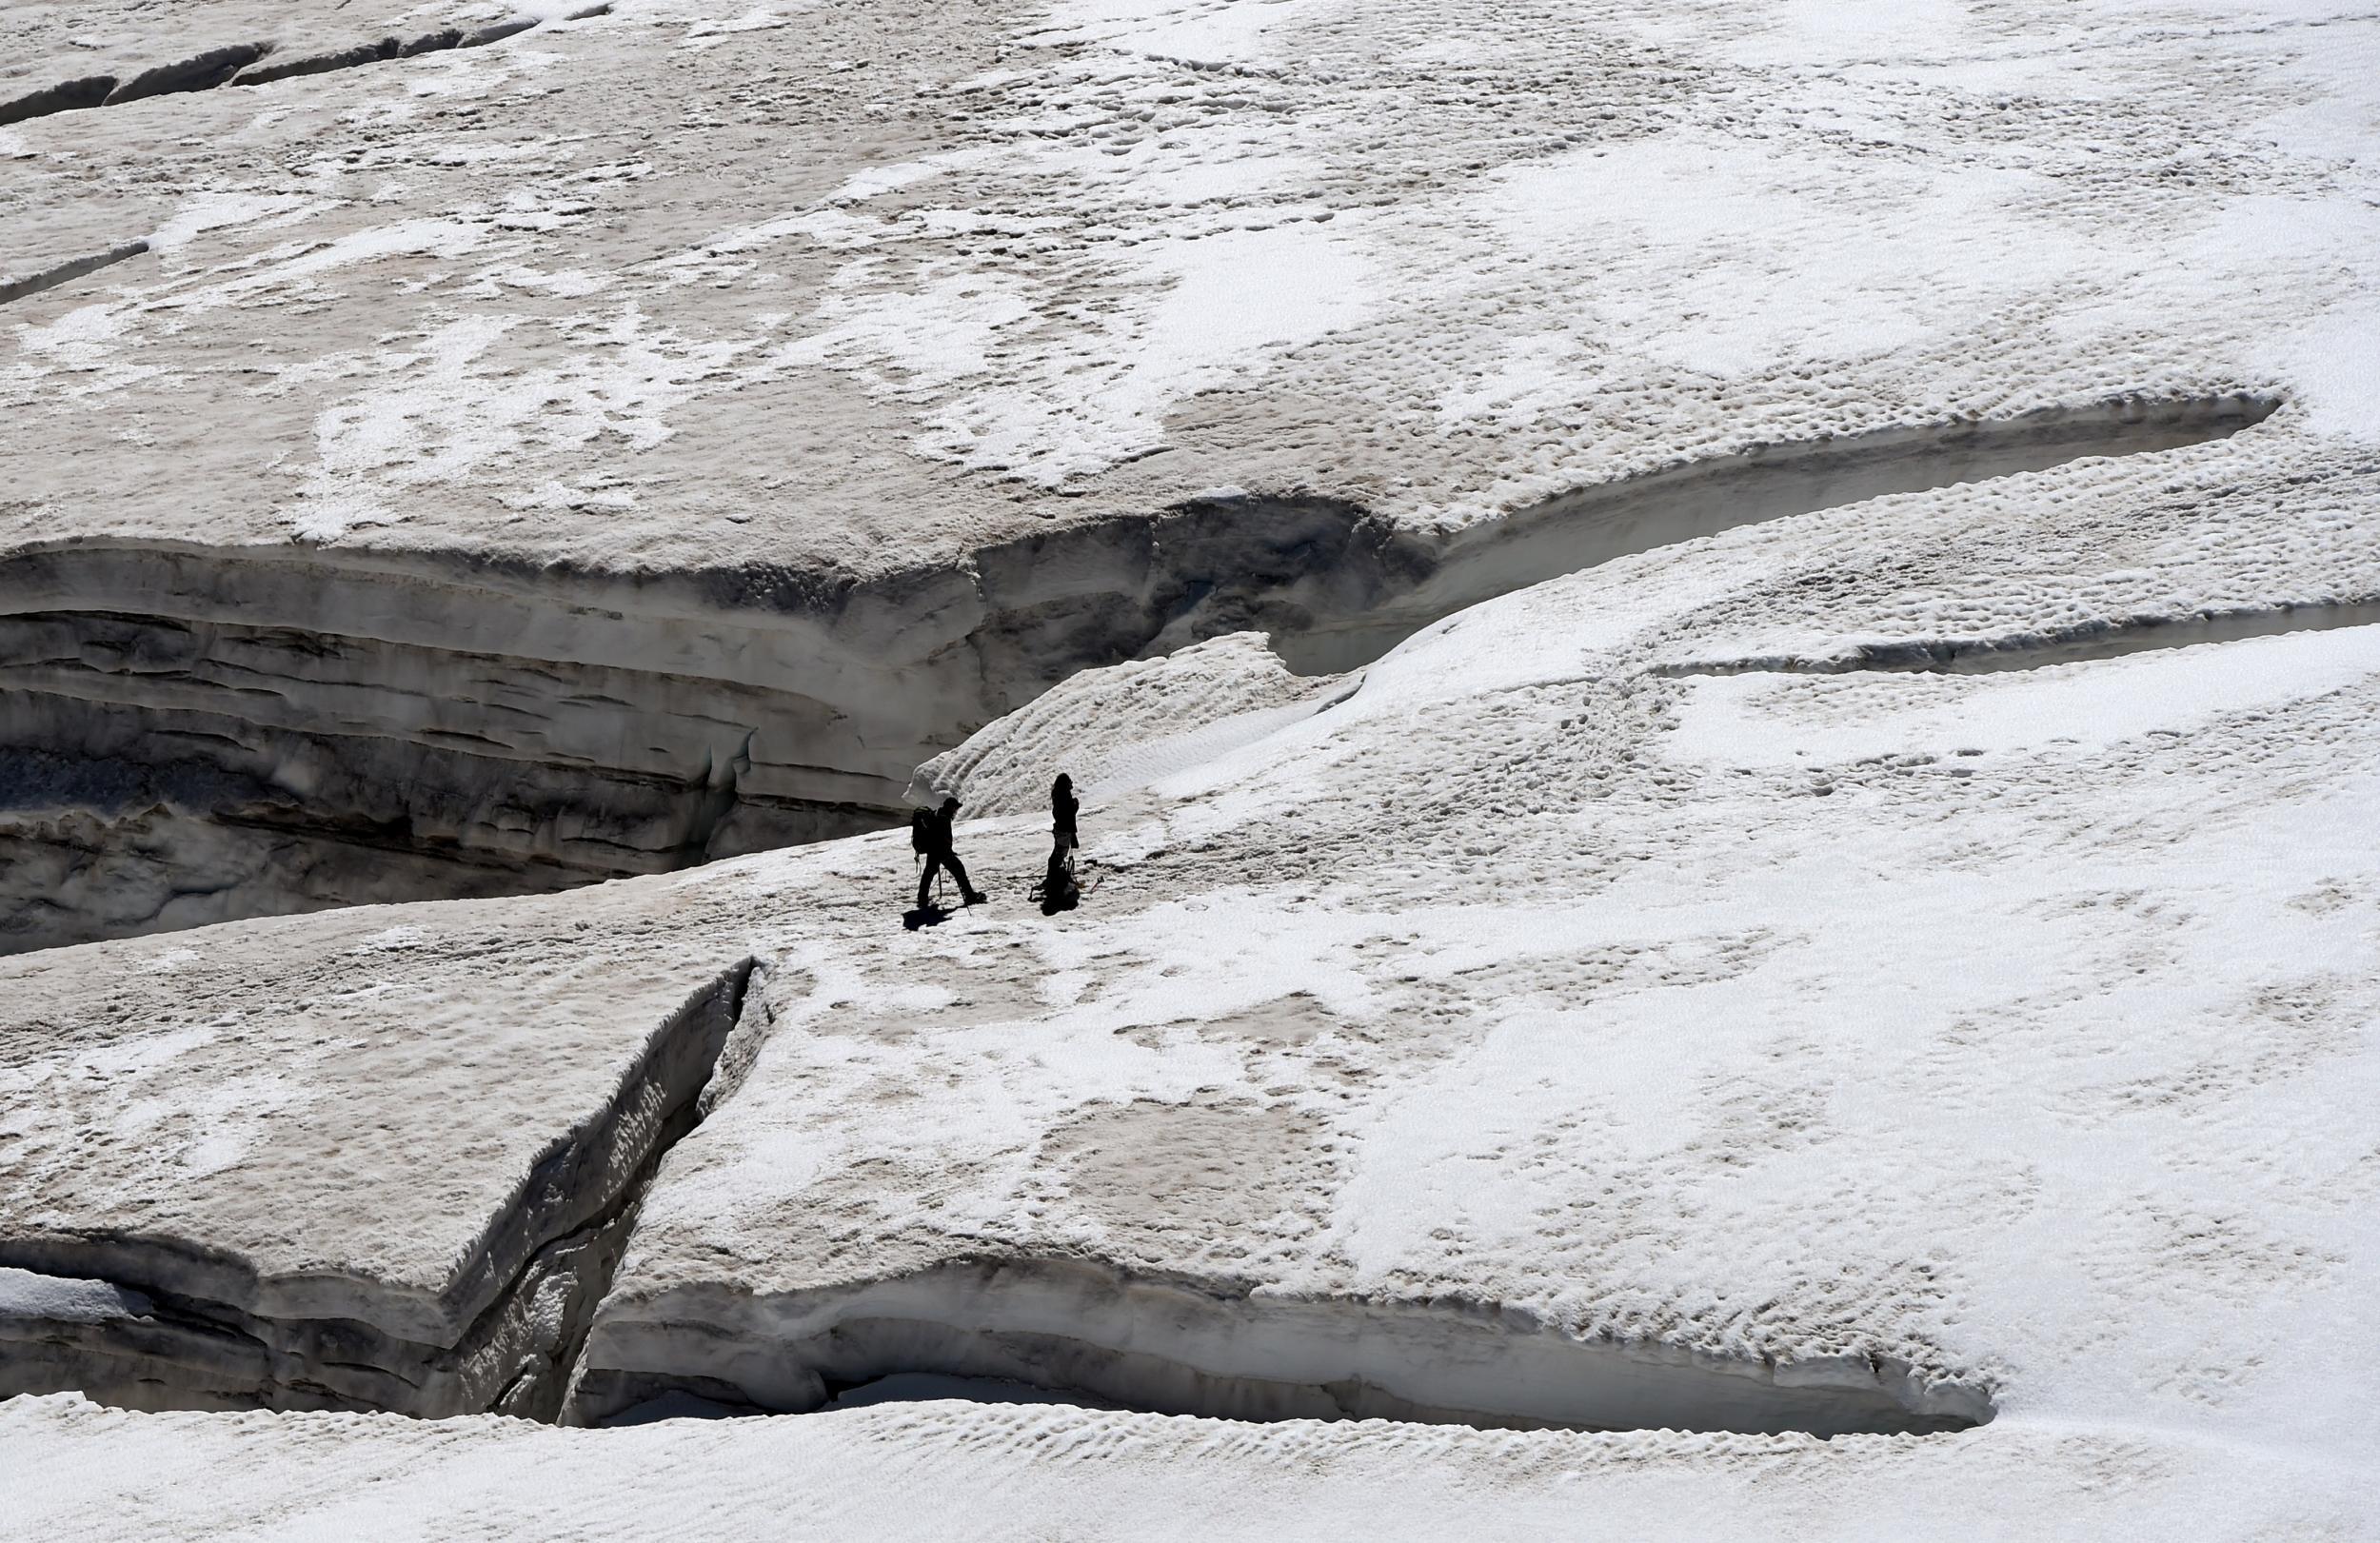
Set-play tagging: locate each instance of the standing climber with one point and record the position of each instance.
(1064, 807)
(929, 834)
(1057, 891)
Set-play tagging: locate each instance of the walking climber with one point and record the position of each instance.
(929, 835)
(1057, 891)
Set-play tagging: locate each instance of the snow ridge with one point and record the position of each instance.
(2077, 643)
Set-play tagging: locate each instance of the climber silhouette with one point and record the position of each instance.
(929, 834)
(1057, 891)
(1064, 807)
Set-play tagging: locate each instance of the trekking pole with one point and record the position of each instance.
(941, 877)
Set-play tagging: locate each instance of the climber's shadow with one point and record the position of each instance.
(924, 916)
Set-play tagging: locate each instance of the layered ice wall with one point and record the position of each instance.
(195, 735)
(199, 734)
(1178, 1343)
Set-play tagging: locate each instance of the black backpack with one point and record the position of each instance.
(921, 830)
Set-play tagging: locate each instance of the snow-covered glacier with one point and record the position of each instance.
(1722, 662)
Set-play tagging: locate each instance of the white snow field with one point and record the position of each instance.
(1725, 665)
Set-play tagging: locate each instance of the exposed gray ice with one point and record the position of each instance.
(73, 268)
(1186, 1346)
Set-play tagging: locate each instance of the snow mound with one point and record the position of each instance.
(1125, 726)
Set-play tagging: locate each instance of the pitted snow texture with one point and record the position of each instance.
(1648, 1008)
(1820, 1022)
(1647, 1011)
(865, 303)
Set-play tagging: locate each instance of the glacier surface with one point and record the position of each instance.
(1725, 661)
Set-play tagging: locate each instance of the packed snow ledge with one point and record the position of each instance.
(194, 1218)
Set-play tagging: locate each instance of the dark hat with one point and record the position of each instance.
(950, 803)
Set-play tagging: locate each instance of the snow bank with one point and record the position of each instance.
(1021, 1473)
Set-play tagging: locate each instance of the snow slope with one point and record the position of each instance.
(1122, 727)
(1854, 963)
(2014, 1026)
(1652, 1008)
(1001, 1474)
